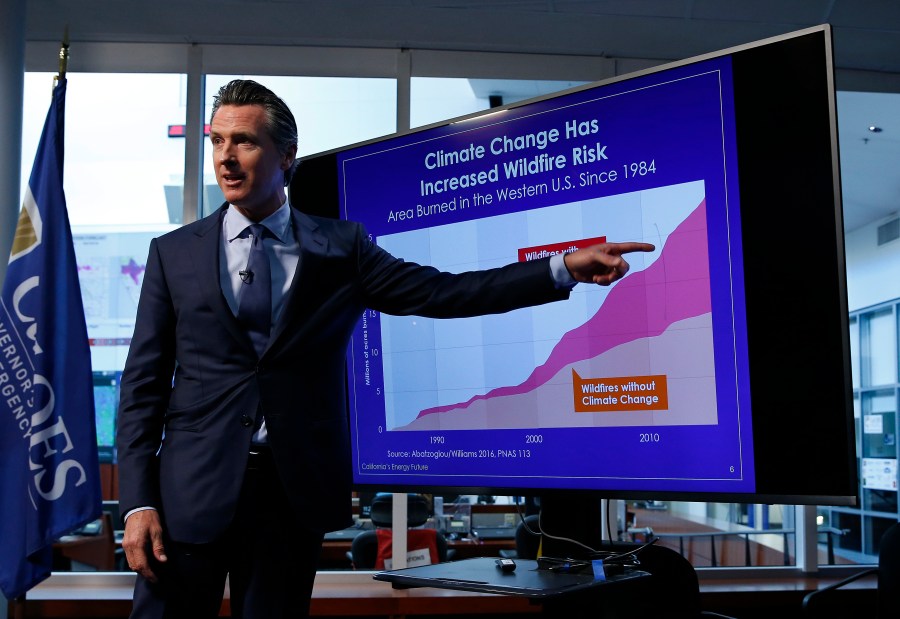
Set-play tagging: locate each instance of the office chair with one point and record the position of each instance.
(674, 583)
(365, 547)
(820, 603)
(528, 539)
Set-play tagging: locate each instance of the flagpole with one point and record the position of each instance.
(63, 57)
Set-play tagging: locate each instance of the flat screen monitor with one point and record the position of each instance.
(717, 369)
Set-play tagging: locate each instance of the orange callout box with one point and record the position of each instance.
(621, 393)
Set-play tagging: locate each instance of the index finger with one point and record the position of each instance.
(629, 247)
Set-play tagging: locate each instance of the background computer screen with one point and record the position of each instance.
(106, 404)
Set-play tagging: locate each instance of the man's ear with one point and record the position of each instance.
(287, 159)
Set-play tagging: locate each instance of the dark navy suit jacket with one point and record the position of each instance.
(183, 444)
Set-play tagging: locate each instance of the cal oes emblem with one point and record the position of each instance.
(28, 229)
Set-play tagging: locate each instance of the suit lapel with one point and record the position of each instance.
(206, 255)
(313, 247)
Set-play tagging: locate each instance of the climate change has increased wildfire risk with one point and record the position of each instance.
(518, 167)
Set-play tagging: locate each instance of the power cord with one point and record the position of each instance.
(629, 557)
(624, 558)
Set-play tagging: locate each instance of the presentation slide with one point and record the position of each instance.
(642, 384)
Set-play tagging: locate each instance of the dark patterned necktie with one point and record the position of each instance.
(255, 308)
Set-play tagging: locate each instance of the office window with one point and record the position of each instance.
(879, 359)
(119, 159)
(434, 99)
(879, 409)
(718, 534)
(330, 112)
(874, 358)
(854, 351)
(878, 466)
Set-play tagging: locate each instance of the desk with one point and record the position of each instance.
(334, 555)
(483, 576)
(97, 551)
(559, 594)
(336, 594)
(352, 594)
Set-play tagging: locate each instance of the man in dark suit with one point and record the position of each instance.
(233, 440)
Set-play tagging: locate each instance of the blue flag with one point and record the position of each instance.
(50, 480)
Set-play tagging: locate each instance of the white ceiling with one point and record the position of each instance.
(866, 41)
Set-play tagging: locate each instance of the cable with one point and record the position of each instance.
(606, 555)
(541, 530)
(617, 556)
(561, 539)
(521, 514)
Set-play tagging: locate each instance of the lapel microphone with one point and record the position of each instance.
(246, 276)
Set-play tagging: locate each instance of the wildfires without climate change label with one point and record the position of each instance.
(622, 393)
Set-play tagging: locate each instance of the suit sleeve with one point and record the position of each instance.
(403, 288)
(145, 388)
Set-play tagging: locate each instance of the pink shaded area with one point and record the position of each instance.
(133, 270)
(641, 305)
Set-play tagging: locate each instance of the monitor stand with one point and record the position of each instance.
(574, 517)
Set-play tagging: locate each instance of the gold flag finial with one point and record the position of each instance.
(63, 55)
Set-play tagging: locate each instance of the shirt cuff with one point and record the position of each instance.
(562, 279)
(136, 509)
